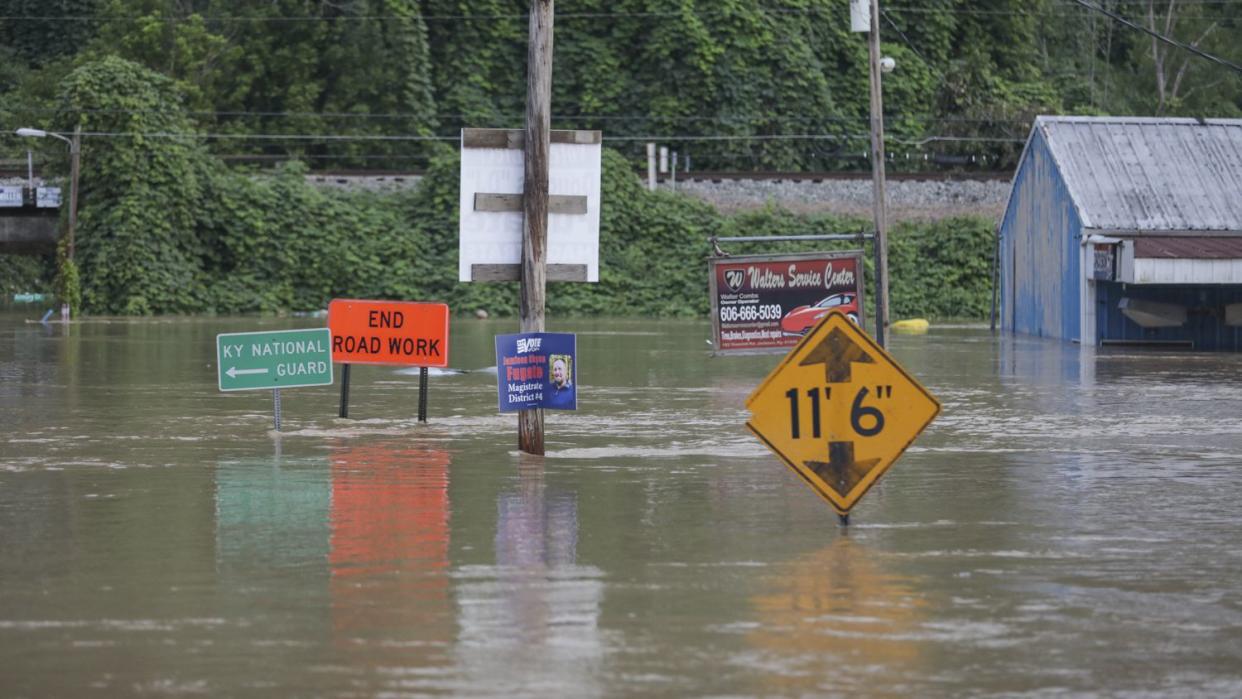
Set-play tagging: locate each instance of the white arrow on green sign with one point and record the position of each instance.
(274, 359)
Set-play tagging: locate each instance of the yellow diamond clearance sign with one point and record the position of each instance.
(839, 411)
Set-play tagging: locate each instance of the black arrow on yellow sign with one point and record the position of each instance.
(841, 472)
(836, 352)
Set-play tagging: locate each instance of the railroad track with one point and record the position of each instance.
(719, 176)
(711, 176)
(13, 168)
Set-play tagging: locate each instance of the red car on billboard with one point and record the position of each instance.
(803, 318)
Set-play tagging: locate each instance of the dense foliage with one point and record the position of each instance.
(166, 228)
(733, 84)
(164, 88)
(21, 274)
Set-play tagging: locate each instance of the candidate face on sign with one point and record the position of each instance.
(560, 394)
(560, 373)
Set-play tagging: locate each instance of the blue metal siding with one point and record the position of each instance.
(1040, 253)
(1205, 326)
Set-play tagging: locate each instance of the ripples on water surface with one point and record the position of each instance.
(1069, 525)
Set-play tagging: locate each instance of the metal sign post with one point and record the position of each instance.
(422, 394)
(276, 409)
(344, 390)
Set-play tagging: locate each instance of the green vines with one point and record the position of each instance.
(166, 228)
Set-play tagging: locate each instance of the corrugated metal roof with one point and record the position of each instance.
(1150, 174)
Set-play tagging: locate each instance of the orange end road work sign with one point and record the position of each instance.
(389, 332)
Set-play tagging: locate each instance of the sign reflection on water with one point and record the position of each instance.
(389, 551)
(536, 529)
(537, 609)
(834, 609)
(271, 512)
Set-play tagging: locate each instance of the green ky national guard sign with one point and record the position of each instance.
(273, 359)
(839, 411)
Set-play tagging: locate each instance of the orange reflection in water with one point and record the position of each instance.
(833, 617)
(390, 545)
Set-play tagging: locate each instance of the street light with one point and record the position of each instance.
(75, 150)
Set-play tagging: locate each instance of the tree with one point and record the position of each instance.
(37, 32)
(1171, 65)
(478, 61)
(287, 68)
(138, 248)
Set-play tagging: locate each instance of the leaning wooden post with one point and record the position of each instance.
(535, 199)
(877, 176)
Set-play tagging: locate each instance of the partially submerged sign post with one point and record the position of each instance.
(493, 247)
(273, 360)
(838, 410)
(404, 333)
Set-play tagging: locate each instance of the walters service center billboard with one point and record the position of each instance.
(766, 303)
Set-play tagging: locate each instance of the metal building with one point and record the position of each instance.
(1126, 230)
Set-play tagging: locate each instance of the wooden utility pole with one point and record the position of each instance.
(75, 160)
(877, 176)
(75, 168)
(535, 198)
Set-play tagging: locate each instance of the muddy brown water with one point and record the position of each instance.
(1071, 525)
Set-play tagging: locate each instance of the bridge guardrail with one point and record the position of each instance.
(21, 197)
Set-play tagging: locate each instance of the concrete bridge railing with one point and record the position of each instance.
(29, 219)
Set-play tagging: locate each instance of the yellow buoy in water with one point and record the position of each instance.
(912, 326)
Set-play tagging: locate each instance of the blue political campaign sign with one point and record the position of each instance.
(537, 370)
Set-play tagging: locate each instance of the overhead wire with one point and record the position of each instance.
(324, 138)
(909, 43)
(639, 138)
(700, 12)
(515, 116)
(1157, 35)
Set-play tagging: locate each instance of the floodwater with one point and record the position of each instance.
(1071, 525)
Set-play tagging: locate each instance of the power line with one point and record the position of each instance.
(263, 137)
(370, 18)
(906, 39)
(1008, 13)
(1161, 37)
(560, 15)
(517, 117)
(644, 138)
